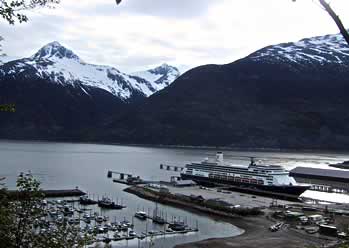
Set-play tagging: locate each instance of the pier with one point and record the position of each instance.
(325, 180)
(121, 175)
(130, 179)
(53, 193)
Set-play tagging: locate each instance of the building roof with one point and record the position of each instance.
(336, 175)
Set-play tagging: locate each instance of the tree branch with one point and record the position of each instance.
(336, 18)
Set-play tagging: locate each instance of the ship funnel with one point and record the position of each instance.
(219, 157)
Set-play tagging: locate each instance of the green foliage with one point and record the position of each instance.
(16, 217)
(346, 245)
(62, 236)
(23, 212)
(12, 10)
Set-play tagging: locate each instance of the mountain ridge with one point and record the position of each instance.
(57, 64)
(290, 95)
(270, 101)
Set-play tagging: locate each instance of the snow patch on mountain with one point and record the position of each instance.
(159, 77)
(320, 49)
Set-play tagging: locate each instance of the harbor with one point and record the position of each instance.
(275, 221)
(73, 165)
(99, 228)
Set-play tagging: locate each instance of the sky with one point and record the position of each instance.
(140, 34)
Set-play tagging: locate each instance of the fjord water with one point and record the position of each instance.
(65, 166)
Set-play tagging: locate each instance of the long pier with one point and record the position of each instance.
(146, 235)
(51, 193)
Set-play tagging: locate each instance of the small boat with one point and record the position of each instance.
(99, 219)
(159, 220)
(117, 237)
(152, 232)
(109, 204)
(100, 230)
(53, 212)
(123, 227)
(84, 200)
(128, 237)
(126, 223)
(87, 221)
(141, 215)
(177, 226)
(157, 217)
(74, 221)
(132, 233)
(86, 216)
(68, 210)
(142, 236)
(80, 211)
(107, 240)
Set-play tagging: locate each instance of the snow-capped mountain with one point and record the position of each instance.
(292, 95)
(59, 65)
(160, 77)
(4, 58)
(320, 50)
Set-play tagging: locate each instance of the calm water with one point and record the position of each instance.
(64, 165)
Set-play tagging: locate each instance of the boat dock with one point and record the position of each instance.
(164, 233)
(322, 179)
(54, 193)
(130, 179)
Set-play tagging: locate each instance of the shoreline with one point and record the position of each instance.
(257, 235)
(255, 229)
(226, 148)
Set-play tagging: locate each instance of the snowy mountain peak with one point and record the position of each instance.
(164, 68)
(320, 50)
(59, 65)
(54, 50)
(160, 76)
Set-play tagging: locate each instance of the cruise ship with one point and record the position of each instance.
(269, 178)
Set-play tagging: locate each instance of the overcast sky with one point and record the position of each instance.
(139, 34)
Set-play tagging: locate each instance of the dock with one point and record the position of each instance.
(322, 179)
(53, 193)
(147, 235)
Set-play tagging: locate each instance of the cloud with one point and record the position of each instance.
(170, 9)
(139, 34)
(178, 9)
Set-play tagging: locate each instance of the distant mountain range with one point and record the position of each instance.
(59, 96)
(57, 64)
(291, 95)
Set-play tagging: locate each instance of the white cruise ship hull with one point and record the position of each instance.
(294, 190)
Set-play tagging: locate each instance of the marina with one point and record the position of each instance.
(103, 228)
